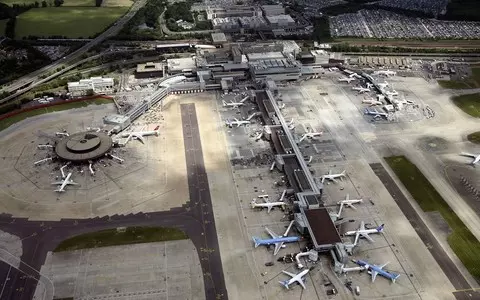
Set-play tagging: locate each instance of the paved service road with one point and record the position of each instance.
(195, 218)
(464, 291)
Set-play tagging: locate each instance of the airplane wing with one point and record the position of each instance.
(362, 226)
(140, 138)
(467, 154)
(300, 281)
(72, 183)
(365, 235)
(278, 246)
(374, 274)
(382, 266)
(272, 234)
(289, 274)
(57, 183)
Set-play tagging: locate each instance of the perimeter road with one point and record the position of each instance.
(464, 290)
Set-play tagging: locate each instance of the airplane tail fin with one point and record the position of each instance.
(284, 283)
(380, 228)
(256, 241)
(395, 278)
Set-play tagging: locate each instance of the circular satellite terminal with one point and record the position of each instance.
(84, 146)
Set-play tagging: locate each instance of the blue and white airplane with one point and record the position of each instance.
(276, 240)
(377, 270)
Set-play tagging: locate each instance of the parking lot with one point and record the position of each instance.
(385, 24)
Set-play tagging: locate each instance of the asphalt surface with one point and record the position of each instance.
(195, 218)
(463, 288)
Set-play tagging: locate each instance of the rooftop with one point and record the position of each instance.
(179, 64)
(219, 37)
(149, 67)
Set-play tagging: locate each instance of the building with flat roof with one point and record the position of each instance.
(96, 85)
(149, 69)
(179, 65)
(273, 10)
(265, 55)
(254, 22)
(280, 21)
(275, 69)
(226, 24)
(232, 11)
(219, 38)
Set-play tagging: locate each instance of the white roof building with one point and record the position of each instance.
(97, 85)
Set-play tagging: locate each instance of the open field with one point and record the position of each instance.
(461, 240)
(117, 3)
(474, 137)
(471, 82)
(113, 237)
(5, 123)
(77, 3)
(412, 43)
(72, 22)
(470, 104)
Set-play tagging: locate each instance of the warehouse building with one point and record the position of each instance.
(272, 10)
(232, 11)
(149, 70)
(94, 85)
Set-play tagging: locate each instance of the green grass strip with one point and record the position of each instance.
(461, 239)
(474, 137)
(114, 237)
(470, 104)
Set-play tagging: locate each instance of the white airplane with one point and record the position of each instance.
(476, 158)
(333, 177)
(383, 85)
(349, 202)
(236, 122)
(139, 134)
(294, 278)
(346, 79)
(386, 73)
(234, 104)
(392, 93)
(64, 183)
(375, 113)
(372, 102)
(269, 205)
(310, 134)
(363, 232)
(361, 89)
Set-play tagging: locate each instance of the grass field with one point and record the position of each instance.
(461, 240)
(474, 137)
(3, 24)
(471, 82)
(113, 237)
(5, 123)
(72, 22)
(89, 3)
(470, 104)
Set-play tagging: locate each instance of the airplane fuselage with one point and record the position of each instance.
(267, 205)
(375, 268)
(287, 239)
(367, 231)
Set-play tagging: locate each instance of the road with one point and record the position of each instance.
(113, 30)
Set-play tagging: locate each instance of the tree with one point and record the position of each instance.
(44, 3)
(58, 2)
(37, 4)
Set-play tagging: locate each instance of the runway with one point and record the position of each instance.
(464, 291)
(195, 218)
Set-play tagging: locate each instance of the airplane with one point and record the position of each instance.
(333, 177)
(375, 270)
(64, 183)
(383, 85)
(362, 231)
(476, 158)
(386, 73)
(346, 79)
(276, 240)
(234, 104)
(269, 205)
(375, 113)
(361, 89)
(294, 278)
(348, 202)
(372, 102)
(237, 122)
(392, 93)
(140, 134)
(310, 134)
